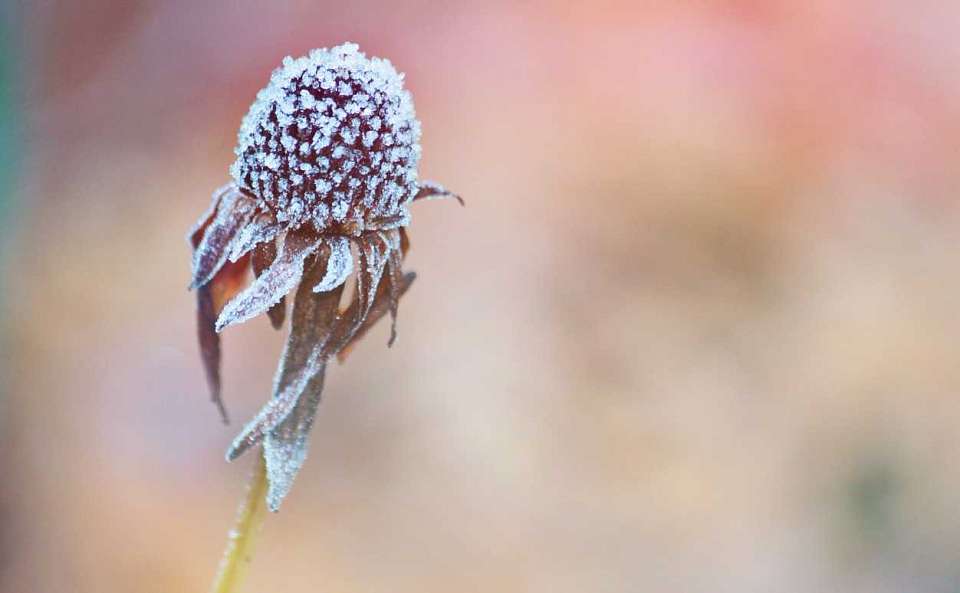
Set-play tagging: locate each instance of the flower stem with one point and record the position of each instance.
(239, 549)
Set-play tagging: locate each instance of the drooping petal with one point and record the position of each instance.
(380, 307)
(210, 347)
(195, 234)
(404, 242)
(262, 257)
(431, 190)
(302, 360)
(285, 448)
(339, 266)
(234, 211)
(373, 251)
(210, 299)
(393, 285)
(261, 229)
(275, 282)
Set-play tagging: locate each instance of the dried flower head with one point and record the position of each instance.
(332, 139)
(327, 161)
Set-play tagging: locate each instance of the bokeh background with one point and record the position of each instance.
(695, 331)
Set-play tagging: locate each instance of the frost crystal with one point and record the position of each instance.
(339, 266)
(334, 127)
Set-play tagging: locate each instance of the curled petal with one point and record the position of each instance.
(380, 307)
(285, 448)
(374, 251)
(261, 229)
(430, 190)
(262, 258)
(393, 284)
(339, 266)
(274, 283)
(404, 242)
(302, 360)
(233, 212)
(210, 299)
(210, 347)
(196, 232)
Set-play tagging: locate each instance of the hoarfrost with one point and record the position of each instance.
(261, 229)
(273, 284)
(233, 211)
(339, 265)
(313, 109)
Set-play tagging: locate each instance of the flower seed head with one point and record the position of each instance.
(332, 139)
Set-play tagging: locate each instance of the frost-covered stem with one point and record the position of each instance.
(239, 549)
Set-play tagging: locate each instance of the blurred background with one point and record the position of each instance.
(695, 331)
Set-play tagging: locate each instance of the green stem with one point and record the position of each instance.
(239, 550)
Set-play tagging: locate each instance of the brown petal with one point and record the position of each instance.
(394, 280)
(431, 190)
(234, 211)
(263, 256)
(262, 228)
(404, 242)
(380, 307)
(374, 253)
(196, 232)
(302, 361)
(339, 265)
(210, 299)
(373, 249)
(275, 282)
(285, 448)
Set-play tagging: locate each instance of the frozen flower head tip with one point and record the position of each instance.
(333, 139)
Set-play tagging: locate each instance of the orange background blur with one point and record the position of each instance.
(695, 331)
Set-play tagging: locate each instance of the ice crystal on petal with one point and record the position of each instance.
(195, 234)
(285, 448)
(273, 284)
(339, 266)
(233, 211)
(262, 228)
(262, 258)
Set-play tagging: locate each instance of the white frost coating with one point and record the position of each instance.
(320, 116)
(261, 229)
(233, 211)
(275, 282)
(339, 265)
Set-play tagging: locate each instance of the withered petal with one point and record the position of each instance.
(261, 229)
(302, 360)
(210, 299)
(263, 256)
(404, 242)
(275, 282)
(380, 307)
(233, 213)
(195, 234)
(339, 265)
(374, 250)
(431, 190)
(285, 447)
(393, 285)
(210, 347)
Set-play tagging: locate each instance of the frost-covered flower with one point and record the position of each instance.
(327, 161)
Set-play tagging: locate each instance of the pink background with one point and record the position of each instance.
(695, 331)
